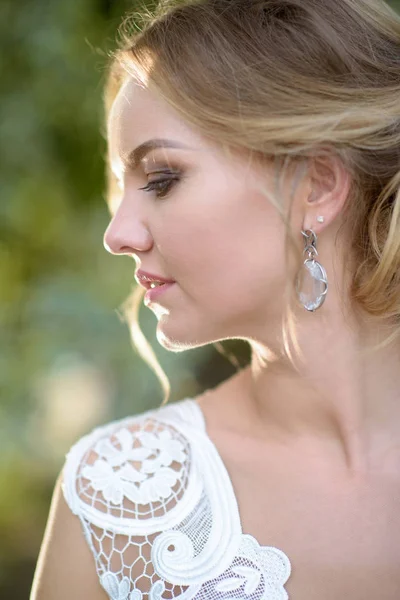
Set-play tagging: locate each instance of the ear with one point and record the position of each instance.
(328, 188)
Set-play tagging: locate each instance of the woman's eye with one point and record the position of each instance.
(160, 186)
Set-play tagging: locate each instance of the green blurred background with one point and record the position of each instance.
(66, 360)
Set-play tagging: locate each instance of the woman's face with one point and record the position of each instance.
(214, 232)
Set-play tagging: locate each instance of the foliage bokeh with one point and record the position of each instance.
(66, 361)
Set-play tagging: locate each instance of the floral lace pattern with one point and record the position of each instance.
(114, 476)
(266, 576)
(159, 513)
(119, 590)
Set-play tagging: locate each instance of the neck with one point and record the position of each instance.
(342, 405)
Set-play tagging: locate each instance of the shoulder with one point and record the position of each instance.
(64, 552)
(120, 484)
(156, 513)
(128, 463)
(129, 482)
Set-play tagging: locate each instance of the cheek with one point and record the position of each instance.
(233, 243)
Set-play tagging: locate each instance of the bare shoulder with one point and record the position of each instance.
(65, 567)
(116, 482)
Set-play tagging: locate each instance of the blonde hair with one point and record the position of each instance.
(286, 80)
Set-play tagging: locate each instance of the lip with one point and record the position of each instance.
(152, 294)
(145, 279)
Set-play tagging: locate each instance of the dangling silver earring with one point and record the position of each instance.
(311, 282)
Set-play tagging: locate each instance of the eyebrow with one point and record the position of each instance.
(133, 158)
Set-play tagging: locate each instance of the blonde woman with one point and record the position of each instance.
(254, 168)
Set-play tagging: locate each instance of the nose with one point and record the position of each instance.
(126, 234)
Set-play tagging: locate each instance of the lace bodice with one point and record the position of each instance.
(159, 512)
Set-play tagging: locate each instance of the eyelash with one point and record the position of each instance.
(166, 185)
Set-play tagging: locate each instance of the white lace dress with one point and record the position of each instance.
(159, 512)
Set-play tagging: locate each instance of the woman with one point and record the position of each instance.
(255, 167)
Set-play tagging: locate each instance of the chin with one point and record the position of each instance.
(178, 343)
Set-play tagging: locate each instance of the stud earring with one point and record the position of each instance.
(311, 281)
(320, 219)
